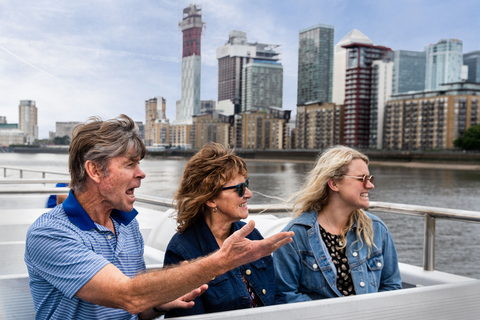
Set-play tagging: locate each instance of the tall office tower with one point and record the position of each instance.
(444, 63)
(408, 71)
(262, 85)
(28, 120)
(232, 58)
(191, 27)
(315, 64)
(382, 71)
(358, 91)
(340, 64)
(472, 60)
(155, 116)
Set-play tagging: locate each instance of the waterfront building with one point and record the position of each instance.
(10, 134)
(382, 71)
(408, 71)
(358, 92)
(254, 129)
(63, 129)
(180, 135)
(262, 85)
(265, 130)
(444, 61)
(315, 64)
(472, 60)
(3, 119)
(28, 120)
(428, 120)
(340, 63)
(157, 128)
(191, 27)
(319, 125)
(214, 127)
(232, 58)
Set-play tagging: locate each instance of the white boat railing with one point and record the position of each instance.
(21, 170)
(432, 295)
(430, 214)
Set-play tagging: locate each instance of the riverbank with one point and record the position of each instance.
(425, 165)
(411, 159)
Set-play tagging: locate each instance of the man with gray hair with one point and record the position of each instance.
(84, 257)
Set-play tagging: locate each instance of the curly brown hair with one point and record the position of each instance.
(204, 176)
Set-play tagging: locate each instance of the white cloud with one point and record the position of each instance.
(110, 56)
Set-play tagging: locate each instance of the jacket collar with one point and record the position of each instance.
(205, 236)
(309, 218)
(79, 217)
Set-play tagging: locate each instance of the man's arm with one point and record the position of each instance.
(111, 288)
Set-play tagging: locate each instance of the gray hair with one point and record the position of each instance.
(100, 141)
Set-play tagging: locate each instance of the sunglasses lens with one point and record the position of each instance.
(366, 179)
(241, 189)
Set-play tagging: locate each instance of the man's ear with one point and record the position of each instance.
(93, 171)
(332, 184)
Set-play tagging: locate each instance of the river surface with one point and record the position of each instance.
(457, 249)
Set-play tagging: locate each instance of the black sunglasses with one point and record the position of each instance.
(365, 178)
(241, 188)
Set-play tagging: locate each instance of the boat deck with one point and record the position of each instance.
(432, 294)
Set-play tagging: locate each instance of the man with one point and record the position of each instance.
(85, 256)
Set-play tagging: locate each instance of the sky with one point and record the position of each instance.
(78, 59)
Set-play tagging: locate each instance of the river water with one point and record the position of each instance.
(456, 249)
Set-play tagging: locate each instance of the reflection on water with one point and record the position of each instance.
(456, 249)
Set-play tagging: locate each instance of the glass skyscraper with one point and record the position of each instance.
(408, 71)
(233, 58)
(472, 60)
(262, 84)
(315, 64)
(444, 63)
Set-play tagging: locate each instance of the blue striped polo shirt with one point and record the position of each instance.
(65, 248)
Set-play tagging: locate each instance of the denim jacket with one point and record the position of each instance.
(305, 270)
(226, 291)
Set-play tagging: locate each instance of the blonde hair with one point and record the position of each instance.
(204, 176)
(315, 194)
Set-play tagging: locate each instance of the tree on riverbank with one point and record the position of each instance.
(470, 140)
(62, 141)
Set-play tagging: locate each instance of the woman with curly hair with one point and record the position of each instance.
(338, 248)
(210, 202)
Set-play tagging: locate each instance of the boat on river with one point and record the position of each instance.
(427, 293)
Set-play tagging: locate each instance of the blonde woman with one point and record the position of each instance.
(338, 248)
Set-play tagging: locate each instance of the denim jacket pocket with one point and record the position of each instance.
(311, 274)
(219, 294)
(375, 267)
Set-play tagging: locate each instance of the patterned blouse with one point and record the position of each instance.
(339, 257)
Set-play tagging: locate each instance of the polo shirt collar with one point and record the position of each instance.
(79, 217)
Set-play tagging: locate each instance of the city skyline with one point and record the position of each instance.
(77, 60)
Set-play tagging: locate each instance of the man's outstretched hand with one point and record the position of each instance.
(237, 250)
